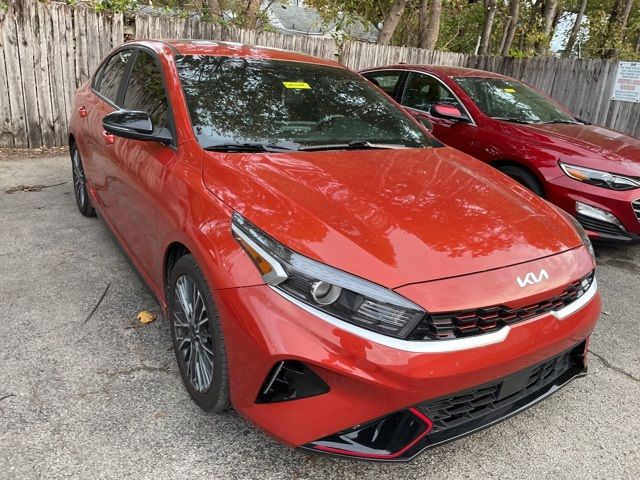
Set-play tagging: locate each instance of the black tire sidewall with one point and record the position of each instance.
(216, 397)
(87, 209)
(524, 178)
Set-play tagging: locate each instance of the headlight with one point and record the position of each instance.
(600, 179)
(327, 289)
(581, 231)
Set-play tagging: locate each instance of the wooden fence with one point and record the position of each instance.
(48, 50)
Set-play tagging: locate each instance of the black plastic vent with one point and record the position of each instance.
(290, 380)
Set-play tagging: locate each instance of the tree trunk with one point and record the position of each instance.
(214, 9)
(548, 14)
(423, 19)
(514, 14)
(638, 43)
(391, 21)
(619, 17)
(624, 18)
(433, 26)
(251, 13)
(489, 16)
(568, 49)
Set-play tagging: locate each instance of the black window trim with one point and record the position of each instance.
(398, 95)
(125, 81)
(170, 116)
(100, 71)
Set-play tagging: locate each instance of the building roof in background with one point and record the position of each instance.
(287, 18)
(295, 19)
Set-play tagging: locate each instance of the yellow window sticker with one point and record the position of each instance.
(510, 90)
(297, 85)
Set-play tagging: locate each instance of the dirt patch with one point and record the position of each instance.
(13, 153)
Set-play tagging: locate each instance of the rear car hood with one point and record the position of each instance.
(395, 217)
(590, 145)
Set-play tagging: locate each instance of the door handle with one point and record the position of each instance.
(108, 138)
(82, 111)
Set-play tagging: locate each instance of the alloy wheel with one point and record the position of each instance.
(79, 185)
(193, 333)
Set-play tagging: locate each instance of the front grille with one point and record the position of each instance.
(636, 208)
(467, 323)
(468, 411)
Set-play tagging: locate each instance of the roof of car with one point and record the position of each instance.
(446, 71)
(231, 49)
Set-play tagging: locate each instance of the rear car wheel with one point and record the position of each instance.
(197, 336)
(80, 184)
(523, 177)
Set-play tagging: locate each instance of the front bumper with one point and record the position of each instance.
(369, 380)
(624, 205)
(452, 417)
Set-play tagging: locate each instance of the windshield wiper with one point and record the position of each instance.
(572, 122)
(253, 147)
(512, 120)
(355, 145)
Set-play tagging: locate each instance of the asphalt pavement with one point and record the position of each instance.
(97, 398)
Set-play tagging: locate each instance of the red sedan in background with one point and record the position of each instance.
(589, 171)
(328, 268)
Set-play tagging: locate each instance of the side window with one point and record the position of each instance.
(423, 91)
(386, 80)
(109, 78)
(145, 90)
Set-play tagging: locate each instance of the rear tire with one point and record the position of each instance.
(524, 178)
(80, 184)
(197, 336)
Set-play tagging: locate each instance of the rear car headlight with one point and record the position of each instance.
(326, 289)
(599, 178)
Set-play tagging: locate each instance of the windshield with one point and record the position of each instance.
(512, 101)
(243, 101)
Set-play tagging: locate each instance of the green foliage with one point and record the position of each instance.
(4, 6)
(460, 26)
(120, 6)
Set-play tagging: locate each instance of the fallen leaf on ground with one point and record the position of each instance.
(145, 317)
(24, 188)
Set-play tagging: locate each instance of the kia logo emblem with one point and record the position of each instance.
(531, 278)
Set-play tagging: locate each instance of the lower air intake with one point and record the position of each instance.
(290, 380)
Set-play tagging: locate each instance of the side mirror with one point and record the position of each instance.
(426, 123)
(134, 125)
(450, 112)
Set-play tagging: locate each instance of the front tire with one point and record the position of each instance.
(80, 184)
(197, 336)
(524, 178)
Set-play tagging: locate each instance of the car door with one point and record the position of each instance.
(420, 92)
(96, 147)
(139, 165)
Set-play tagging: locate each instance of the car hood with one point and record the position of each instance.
(590, 145)
(395, 217)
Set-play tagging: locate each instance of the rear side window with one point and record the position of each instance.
(145, 90)
(110, 77)
(387, 81)
(421, 92)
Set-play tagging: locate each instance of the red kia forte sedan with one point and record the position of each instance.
(589, 171)
(330, 270)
